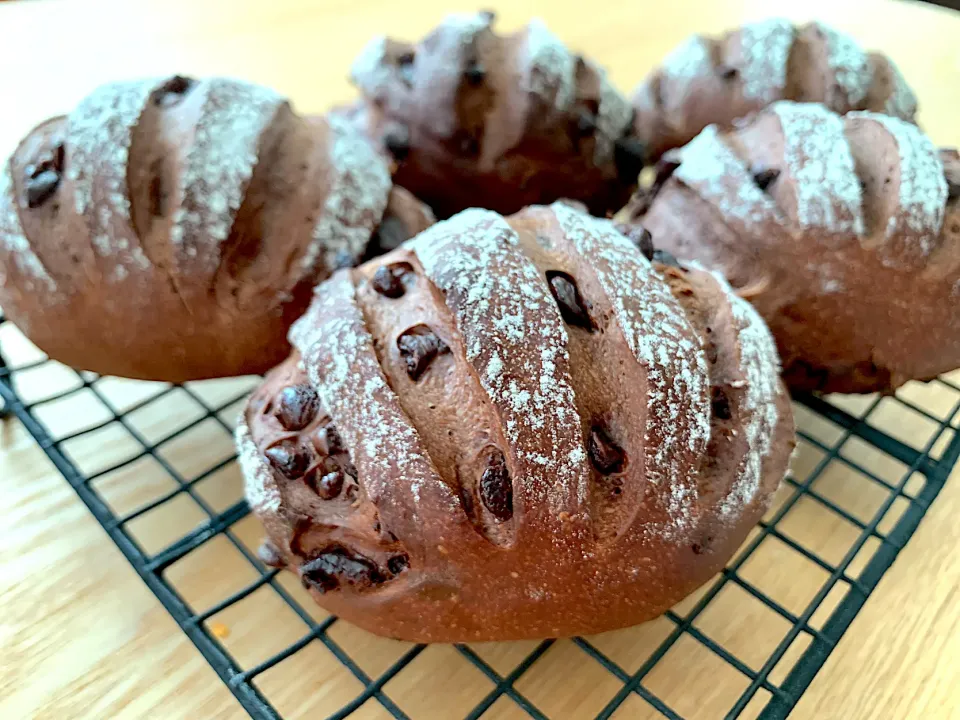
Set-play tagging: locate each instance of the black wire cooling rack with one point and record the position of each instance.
(154, 464)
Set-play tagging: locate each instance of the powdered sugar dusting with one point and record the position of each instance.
(666, 346)
(370, 71)
(99, 133)
(818, 158)
(765, 48)
(16, 247)
(98, 139)
(356, 201)
(219, 165)
(760, 366)
(849, 63)
(923, 186)
(515, 339)
(260, 487)
(466, 24)
(341, 363)
(723, 179)
(550, 67)
(688, 60)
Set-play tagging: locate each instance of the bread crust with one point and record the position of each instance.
(714, 81)
(173, 229)
(477, 119)
(843, 231)
(538, 433)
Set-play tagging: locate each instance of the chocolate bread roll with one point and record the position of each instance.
(843, 231)
(515, 428)
(173, 229)
(707, 81)
(476, 119)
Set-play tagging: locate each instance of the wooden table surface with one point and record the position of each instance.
(80, 634)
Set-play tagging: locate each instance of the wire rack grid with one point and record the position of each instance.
(154, 464)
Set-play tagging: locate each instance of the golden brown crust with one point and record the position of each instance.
(538, 433)
(844, 232)
(476, 119)
(172, 229)
(709, 80)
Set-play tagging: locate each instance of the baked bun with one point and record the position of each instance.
(172, 229)
(513, 429)
(844, 232)
(708, 80)
(476, 119)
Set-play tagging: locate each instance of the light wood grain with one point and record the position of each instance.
(81, 636)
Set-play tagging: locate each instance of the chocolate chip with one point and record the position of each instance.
(397, 143)
(572, 307)
(330, 485)
(386, 283)
(327, 441)
(474, 73)
(172, 91)
(496, 489)
(720, 404)
(388, 280)
(727, 72)
(418, 347)
(665, 258)
(406, 58)
(334, 441)
(288, 459)
(42, 187)
(766, 177)
(397, 564)
(639, 236)
(296, 406)
(628, 156)
(606, 455)
(270, 555)
(586, 122)
(338, 567)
